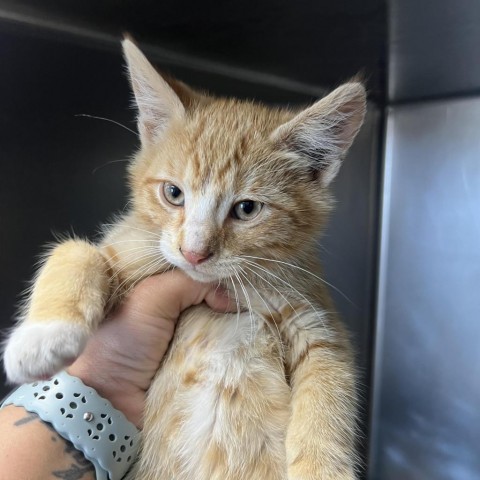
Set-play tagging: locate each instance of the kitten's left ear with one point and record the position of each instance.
(157, 103)
(323, 133)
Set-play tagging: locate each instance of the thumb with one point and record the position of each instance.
(169, 294)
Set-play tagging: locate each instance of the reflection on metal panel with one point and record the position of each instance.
(426, 421)
(433, 48)
(348, 246)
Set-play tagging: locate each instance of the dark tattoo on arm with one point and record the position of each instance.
(78, 469)
(30, 417)
(73, 473)
(77, 455)
(79, 466)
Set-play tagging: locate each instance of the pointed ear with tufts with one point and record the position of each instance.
(322, 133)
(156, 101)
(189, 97)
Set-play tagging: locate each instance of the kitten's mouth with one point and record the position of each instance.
(201, 273)
(206, 273)
(195, 272)
(200, 276)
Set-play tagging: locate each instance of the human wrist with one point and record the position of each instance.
(127, 400)
(80, 415)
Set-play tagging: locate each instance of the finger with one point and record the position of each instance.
(168, 294)
(219, 300)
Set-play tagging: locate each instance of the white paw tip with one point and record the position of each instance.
(39, 350)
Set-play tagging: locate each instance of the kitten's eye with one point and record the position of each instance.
(246, 209)
(173, 194)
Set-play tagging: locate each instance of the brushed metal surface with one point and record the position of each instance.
(433, 48)
(426, 421)
(348, 247)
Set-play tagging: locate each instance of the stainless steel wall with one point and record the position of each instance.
(433, 49)
(426, 422)
(426, 415)
(348, 247)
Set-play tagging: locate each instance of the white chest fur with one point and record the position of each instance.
(219, 406)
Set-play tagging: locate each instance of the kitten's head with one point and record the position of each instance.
(223, 181)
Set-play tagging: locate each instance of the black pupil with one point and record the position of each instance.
(174, 191)
(247, 206)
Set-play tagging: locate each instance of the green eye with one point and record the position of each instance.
(246, 209)
(173, 194)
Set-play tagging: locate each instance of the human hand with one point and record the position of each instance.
(122, 357)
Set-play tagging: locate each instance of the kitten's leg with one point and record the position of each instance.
(321, 434)
(66, 303)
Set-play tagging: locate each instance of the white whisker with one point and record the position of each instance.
(317, 313)
(134, 256)
(237, 301)
(269, 311)
(107, 120)
(96, 169)
(133, 228)
(303, 270)
(157, 263)
(273, 286)
(249, 305)
(127, 241)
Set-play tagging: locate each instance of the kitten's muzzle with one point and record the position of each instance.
(196, 258)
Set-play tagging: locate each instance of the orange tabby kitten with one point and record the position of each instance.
(232, 192)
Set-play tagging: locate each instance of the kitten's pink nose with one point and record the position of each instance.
(195, 258)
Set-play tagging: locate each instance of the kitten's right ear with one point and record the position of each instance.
(157, 103)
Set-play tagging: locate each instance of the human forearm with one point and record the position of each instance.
(30, 449)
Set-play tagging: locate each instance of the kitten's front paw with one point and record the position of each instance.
(39, 350)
